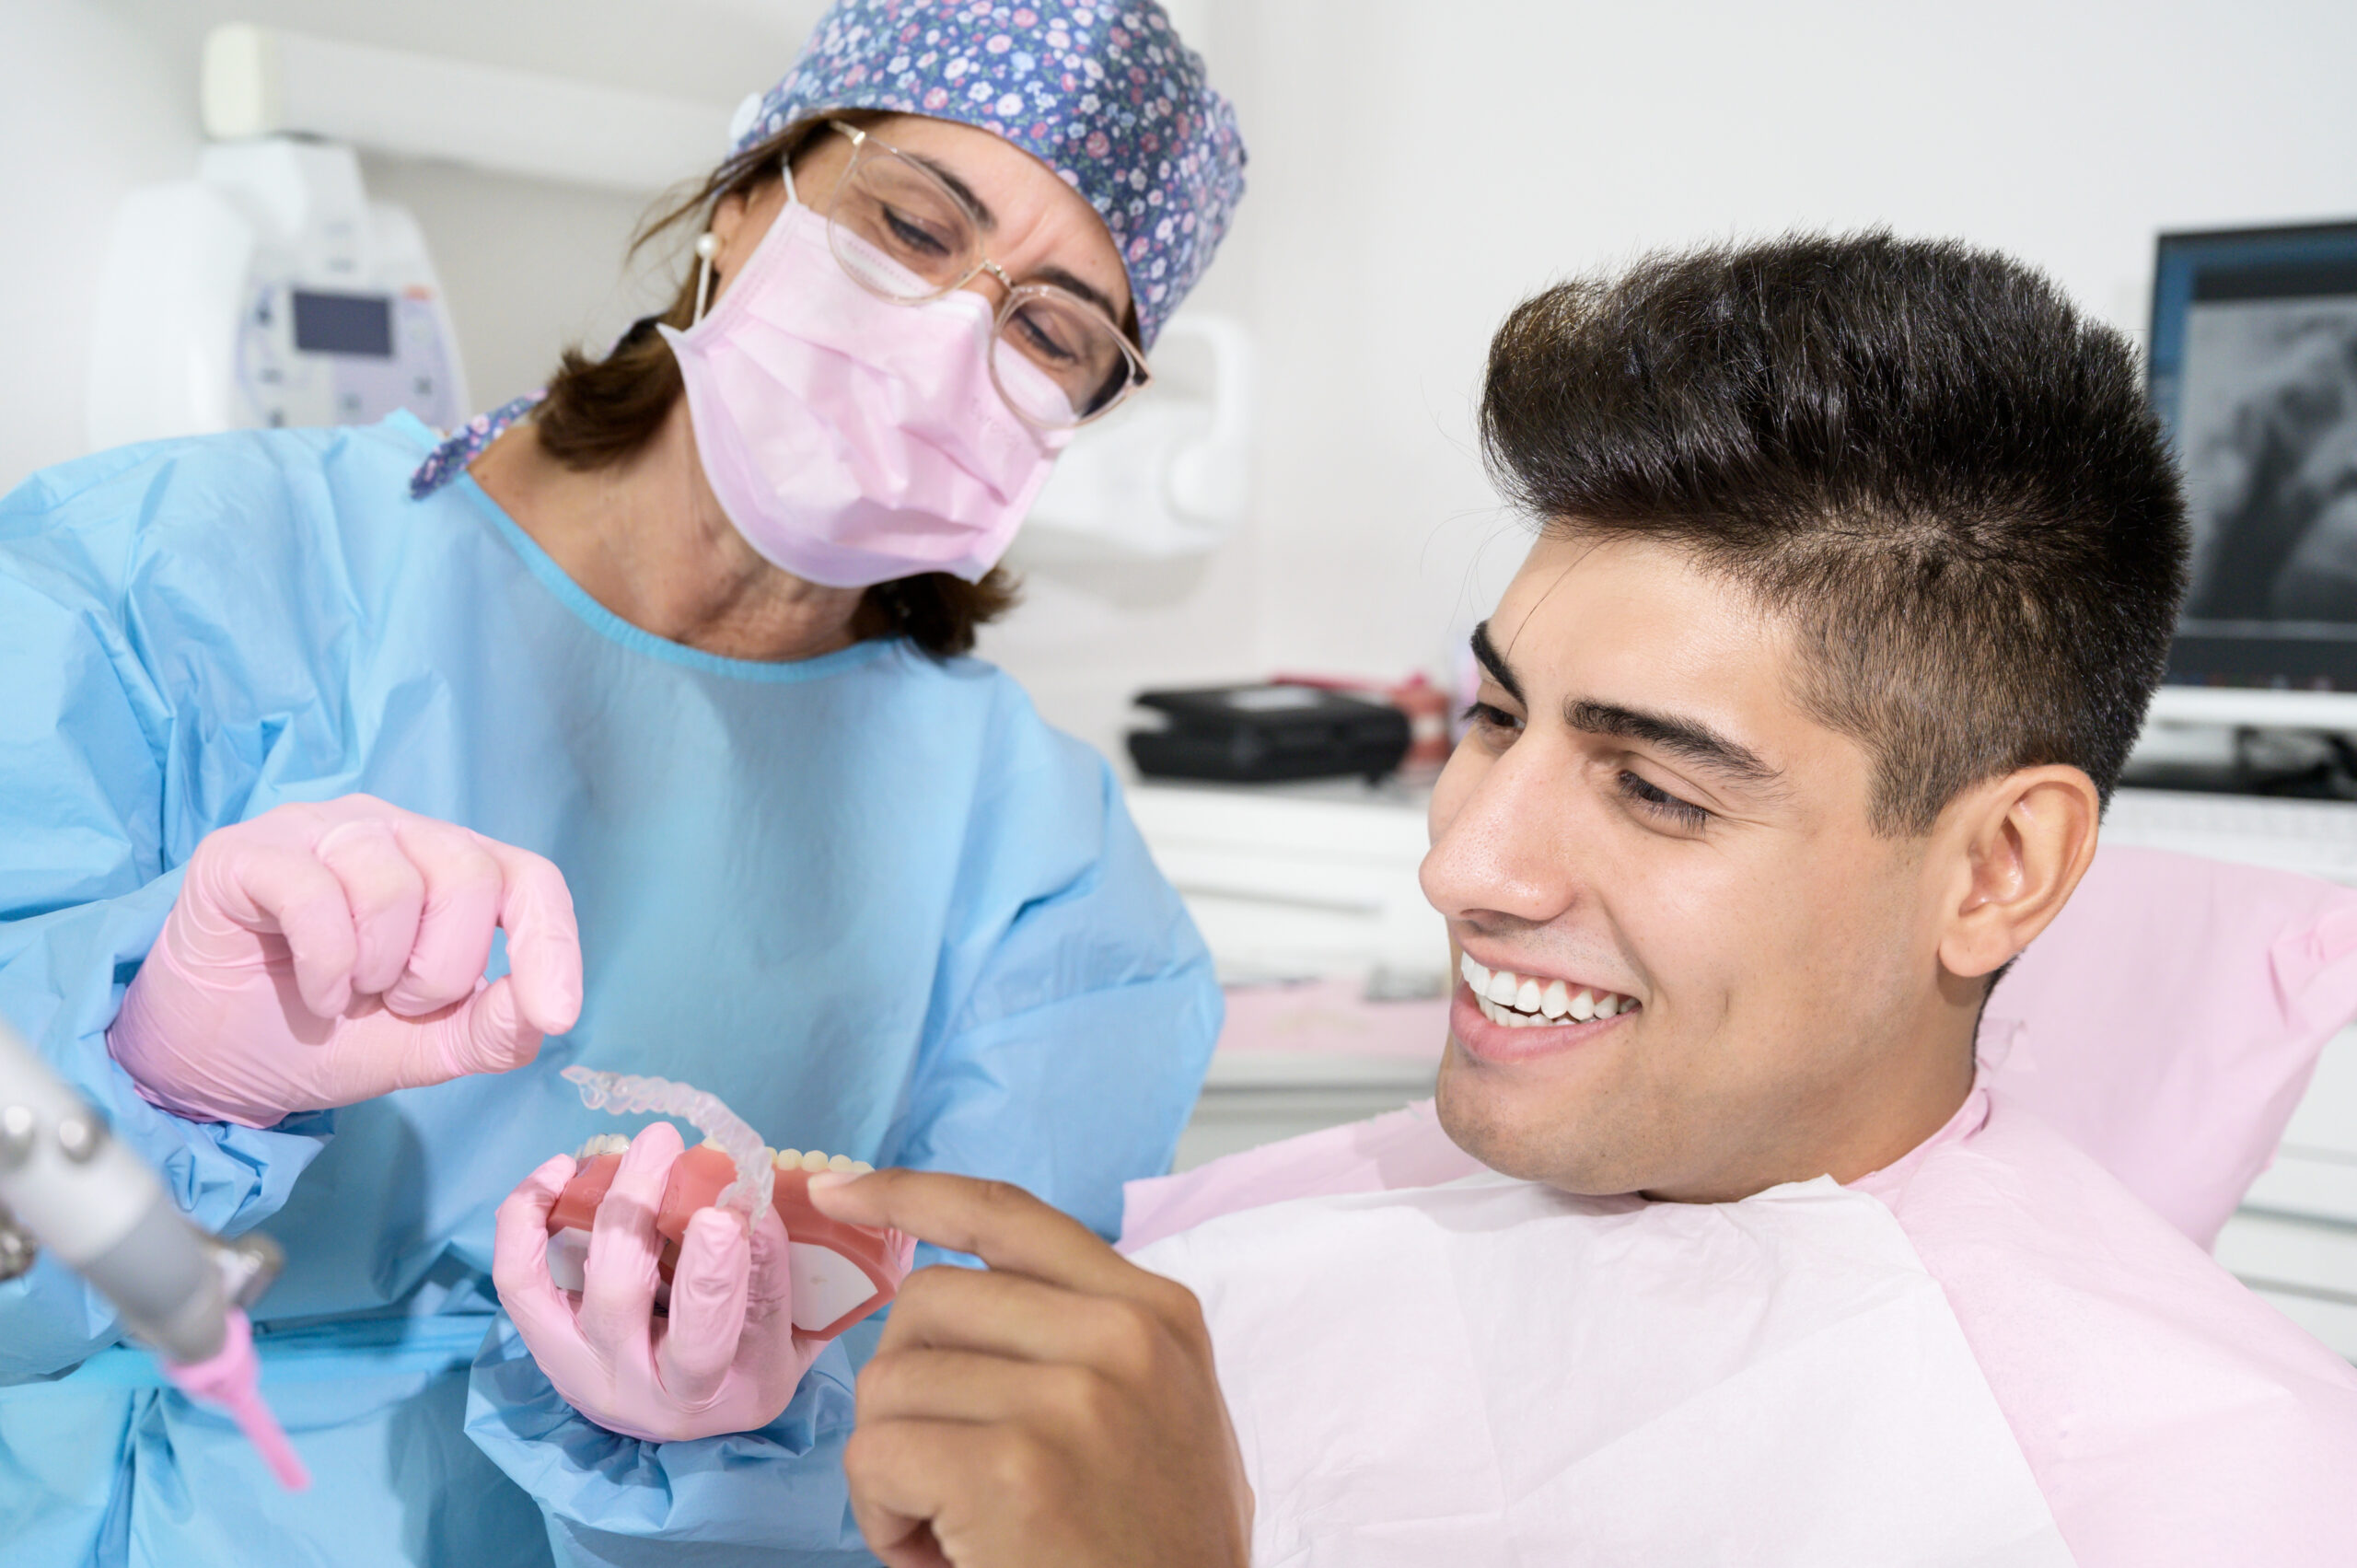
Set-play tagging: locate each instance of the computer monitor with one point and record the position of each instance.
(2254, 370)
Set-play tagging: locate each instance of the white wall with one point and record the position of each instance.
(87, 110)
(1417, 167)
(99, 96)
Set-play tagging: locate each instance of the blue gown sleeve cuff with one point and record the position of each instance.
(62, 979)
(613, 1499)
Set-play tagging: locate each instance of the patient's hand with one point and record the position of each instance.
(1061, 1408)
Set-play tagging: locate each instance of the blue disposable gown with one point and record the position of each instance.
(868, 899)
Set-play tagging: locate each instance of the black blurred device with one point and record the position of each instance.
(1268, 734)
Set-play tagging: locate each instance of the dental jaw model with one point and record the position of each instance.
(840, 1274)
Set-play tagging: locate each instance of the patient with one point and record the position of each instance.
(1857, 565)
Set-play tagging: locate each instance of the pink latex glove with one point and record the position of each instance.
(726, 1360)
(320, 956)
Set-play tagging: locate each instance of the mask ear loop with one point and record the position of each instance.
(708, 244)
(707, 247)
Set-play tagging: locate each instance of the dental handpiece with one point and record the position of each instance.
(626, 1094)
(68, 1184)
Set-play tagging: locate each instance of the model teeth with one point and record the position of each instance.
(784, 1159)
(1521, 1002)
(813, 1161)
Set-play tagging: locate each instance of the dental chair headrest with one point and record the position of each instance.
(2170, 1019)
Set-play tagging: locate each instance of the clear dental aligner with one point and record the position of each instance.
(625, 1094)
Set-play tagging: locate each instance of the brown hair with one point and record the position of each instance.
(1946, 477)
(601, 412)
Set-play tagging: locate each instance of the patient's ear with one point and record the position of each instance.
(2019, 844)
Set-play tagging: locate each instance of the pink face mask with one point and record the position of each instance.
(850, 439)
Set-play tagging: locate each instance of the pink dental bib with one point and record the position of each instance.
(1492, 1372)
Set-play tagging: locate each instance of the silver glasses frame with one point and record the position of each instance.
(1141, 375)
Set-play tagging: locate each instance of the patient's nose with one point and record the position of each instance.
(1509, 847)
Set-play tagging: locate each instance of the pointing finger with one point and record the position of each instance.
(996, 1221)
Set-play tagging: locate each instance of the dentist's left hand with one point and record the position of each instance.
(726, 1360)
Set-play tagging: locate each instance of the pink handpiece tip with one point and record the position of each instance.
(231, 1380)
(261, 1429)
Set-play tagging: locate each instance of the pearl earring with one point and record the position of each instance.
(707, 247)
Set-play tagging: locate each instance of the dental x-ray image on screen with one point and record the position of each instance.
(2255, 365)
(2270, 453)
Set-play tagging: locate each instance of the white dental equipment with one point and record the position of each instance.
(1166, 475)
(267, 291)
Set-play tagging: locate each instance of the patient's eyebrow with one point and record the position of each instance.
(1690, 738)
(1486, 652)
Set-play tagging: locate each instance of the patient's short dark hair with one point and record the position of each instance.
(1916, 453)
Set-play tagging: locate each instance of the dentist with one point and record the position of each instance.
(355, 782)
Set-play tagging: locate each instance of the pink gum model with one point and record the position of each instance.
(841, 1273)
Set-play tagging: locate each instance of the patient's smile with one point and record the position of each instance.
(1520, 1000)
(1506, 1016)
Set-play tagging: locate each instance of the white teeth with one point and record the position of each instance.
(1507, 998)
(599, 1143)
(814, 1160)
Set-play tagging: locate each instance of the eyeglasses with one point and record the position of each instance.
(901, 232)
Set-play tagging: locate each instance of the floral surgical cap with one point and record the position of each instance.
(1104, 94)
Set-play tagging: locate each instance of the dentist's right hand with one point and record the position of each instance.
(727, 1357)
(318, 955)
